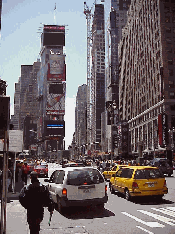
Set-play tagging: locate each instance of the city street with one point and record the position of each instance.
(118, 216)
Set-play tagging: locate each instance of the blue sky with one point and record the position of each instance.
(20, 44)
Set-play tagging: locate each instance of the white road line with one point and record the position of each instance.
(171, 208)
(165, 211)
(159, 217)
(149, 224)
(144, 230)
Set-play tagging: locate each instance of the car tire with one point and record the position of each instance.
(111, 189)
(60, 208)
(159, 198)
(100, 206)
(127, 195)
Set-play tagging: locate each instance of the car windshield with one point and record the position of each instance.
(84, 176)
(148, 174)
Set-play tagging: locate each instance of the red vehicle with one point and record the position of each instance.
(42, 170)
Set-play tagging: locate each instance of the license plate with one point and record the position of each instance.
(86, 191)
(150, 185)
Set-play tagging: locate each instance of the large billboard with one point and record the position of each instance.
(54, 35)
(54, 128)
(57, 63)
(58, 76)
(55, 98)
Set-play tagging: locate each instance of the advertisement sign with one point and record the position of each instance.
(33, 147)
(163, 129)
(15, 140)
(57, 64)
(54, 127)
(55, 99)
(56, 77)
(54, 35)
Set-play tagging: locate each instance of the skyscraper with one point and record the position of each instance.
(115, 20)
(81, 118)
(98, 72)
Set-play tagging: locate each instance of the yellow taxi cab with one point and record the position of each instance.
(107, 174)
(134, 181)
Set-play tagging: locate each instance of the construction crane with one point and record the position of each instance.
(88, 14)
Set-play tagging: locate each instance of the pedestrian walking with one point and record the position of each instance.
(34, 198)
(25, 171)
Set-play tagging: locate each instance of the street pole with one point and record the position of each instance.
(4, 188)
(14, 170)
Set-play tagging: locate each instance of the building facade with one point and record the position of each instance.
(146, 67)
(98, 74)
(115, 21)
(81, 119)
(51, 81)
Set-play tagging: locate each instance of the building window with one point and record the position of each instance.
(171, 72)
(172, 95)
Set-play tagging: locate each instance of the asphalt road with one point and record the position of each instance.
(121, 216)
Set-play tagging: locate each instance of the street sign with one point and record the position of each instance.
(15, 140)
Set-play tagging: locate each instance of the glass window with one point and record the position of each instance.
(84, 176)
(53, 177)
(148, 174)
(127, 173)
(118, 173)
(59, 177)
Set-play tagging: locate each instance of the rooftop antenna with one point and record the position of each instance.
(55, 15)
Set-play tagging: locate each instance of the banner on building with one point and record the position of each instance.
(57, 63)
(54, 128)
(55, 99)
(163, 129)
(56, 77)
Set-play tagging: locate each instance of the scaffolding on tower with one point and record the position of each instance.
(88, 14)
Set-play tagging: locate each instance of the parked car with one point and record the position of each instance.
(107, 174)
(134, 181)
(163, 165)
(77, 186)
(41, 170)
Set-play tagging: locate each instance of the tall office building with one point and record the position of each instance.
(81, 118)
(98, 73)
(147, 85)
(26, 71)
(115, 21)
(51, 89)
(15, 118)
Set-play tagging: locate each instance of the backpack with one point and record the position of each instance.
(34, 197)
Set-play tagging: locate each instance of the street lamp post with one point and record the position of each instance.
(112, 109)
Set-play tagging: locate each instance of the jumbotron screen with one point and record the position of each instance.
(54, 35)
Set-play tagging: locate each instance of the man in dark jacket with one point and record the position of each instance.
(34, 198)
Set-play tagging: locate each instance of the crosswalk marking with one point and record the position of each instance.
(165, 211)
(149, 224)
(159, 217)
(171, 208)
(143, 229)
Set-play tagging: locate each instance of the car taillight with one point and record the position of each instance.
(64, 192)
(135, 185)
(164, 183)
(106, 188)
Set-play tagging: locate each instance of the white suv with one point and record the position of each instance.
(77, 186)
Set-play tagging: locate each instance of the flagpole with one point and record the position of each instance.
(55, 14)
